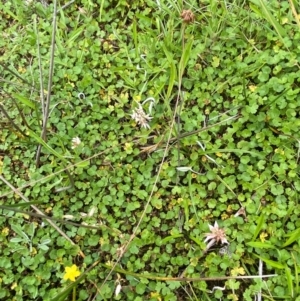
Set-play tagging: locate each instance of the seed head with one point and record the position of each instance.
(187, 16)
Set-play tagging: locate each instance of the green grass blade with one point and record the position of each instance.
(293, 237)
(185, 57)
(265, 12)
(192, 196)
(260, 245)
(171, 79)
(197, 241)
(24, 204)
(271, 263)
(49, 148)
(135, 39)
(9, 12)
(186, 212)
(289, 279)
(171, 237)
(260, 223)
(75, 34)
(279, 29)
(59, 44)
(296, 290)
(24, 100)
(229, 150)
(101, 10)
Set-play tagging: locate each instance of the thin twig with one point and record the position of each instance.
(11, 121)
(47, 105)
(180, 108)
(42, 96)
(186, 134)
(62, 221)
(260, 273)
(15, 74)
(54, 174)
(16, 191)
(65, 6)
(185, 279)
(20, 85)
(296, 15)
(18, 108)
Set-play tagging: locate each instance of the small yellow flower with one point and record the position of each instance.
(5, 231)
(22, 70)
(263, 236)
(279, 151)
(156, 296)
(128, 148)
(71, 272)
(237, 271)
(137, 98)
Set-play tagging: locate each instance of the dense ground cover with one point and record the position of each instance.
(158, 120)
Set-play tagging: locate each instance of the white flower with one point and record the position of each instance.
(28, 2)
(75, 142)
(216, 235)
(140, 117)
(118, 289)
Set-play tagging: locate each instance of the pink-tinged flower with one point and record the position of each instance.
(216, 235)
